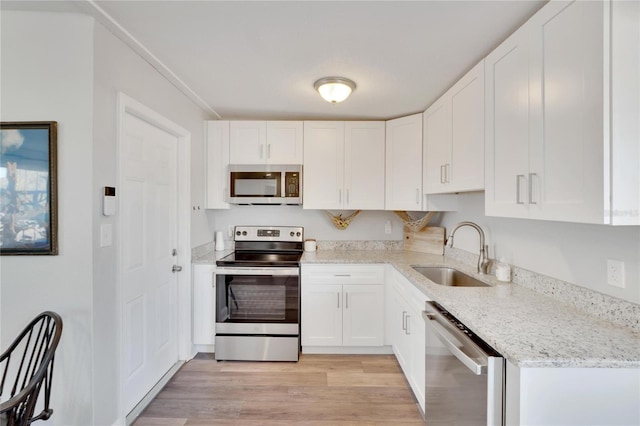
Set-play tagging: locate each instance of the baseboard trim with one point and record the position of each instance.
(138, 409)
(348, 350)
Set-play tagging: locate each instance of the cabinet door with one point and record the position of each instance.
(321, 320)
(364, 154)
(323, 175)
(284, 142)
(416, 336)
(247, 142)
(398, 316)
(465, 171)
(507, 100)
(404, 163)
(204, 303)
(566, 163)
(437, 146)
(363, 315)
(216, 164)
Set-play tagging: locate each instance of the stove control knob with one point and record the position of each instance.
(298, 234)
(238, 233)
(291, 233)
(244, 233)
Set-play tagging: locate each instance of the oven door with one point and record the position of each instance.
(258, 301)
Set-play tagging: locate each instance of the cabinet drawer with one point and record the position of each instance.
(342, 274)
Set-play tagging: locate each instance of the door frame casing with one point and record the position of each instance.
(127, 105)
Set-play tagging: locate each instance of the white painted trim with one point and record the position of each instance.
(128, 105)
(138, 409)
(91, 7)
(348, 350)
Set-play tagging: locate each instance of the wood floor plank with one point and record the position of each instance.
(319, 390)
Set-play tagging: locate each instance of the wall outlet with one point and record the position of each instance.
(387, 227)
(615, 273)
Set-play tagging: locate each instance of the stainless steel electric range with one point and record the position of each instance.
(258, 295)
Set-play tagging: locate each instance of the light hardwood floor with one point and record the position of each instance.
(319, 390)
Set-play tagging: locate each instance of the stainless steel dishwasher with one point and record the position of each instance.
(464, 376)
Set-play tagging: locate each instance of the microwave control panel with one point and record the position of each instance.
(292, 184)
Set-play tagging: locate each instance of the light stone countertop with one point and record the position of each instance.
(527, 328)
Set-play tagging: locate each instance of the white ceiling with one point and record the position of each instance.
(260, 59)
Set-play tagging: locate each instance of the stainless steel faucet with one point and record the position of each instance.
(483, 259)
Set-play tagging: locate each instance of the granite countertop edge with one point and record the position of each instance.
(529, 329)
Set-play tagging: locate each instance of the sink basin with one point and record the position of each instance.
(449, 276)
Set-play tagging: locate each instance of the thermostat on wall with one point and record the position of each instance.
(109, 201)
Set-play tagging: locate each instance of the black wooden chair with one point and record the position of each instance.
(29, 363)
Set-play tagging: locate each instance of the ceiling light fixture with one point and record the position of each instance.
(334, 89)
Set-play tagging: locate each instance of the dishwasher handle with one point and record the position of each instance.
(477, 361)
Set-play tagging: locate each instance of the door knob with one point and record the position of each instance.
(176, 268)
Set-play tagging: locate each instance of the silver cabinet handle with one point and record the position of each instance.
(346, 300)
(341, 275)
(531, 175)
(408, 329)
(404, 322)
(176, 268)
(417, 195)
(268, 150)
(518, 189)
(442, 166)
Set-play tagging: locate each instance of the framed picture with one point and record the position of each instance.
(28, 197)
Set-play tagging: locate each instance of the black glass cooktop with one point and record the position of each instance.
(260, 259)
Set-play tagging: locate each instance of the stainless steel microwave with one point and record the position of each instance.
(265, 184)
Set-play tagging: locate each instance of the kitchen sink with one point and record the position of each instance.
(448, 276)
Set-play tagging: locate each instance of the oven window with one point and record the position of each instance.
(257, 298)
(246, 184)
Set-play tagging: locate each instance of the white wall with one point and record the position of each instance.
(119, 69)
(571, 252)
(368, 225)
(47, 74)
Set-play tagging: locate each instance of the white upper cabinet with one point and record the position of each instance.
(266, 142)
(561, 97)
(216, 163)
(323, 167)
(404, 163)
(364, 154)
(344, 165)
(454, 137)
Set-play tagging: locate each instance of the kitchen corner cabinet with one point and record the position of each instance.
(453, 130)
(216, 163)
(344, 165)
(404, 163)
(562, 106)
(204, 302)
(266, 142)
(405, 330)
(342, 305)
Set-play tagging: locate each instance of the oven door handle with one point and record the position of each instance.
(456, 343)
(258, 271)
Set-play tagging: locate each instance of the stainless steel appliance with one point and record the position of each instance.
(258, 295)
(265, 184)
(465, 377)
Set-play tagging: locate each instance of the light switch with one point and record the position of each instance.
(106, 235)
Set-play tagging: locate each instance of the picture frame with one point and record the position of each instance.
(28, 188)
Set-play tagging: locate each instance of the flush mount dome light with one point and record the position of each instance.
(334, 89)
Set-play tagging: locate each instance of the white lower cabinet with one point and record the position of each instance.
(342, 306)
(204, 304)
(405, 330)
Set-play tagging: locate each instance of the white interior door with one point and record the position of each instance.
(148, 236)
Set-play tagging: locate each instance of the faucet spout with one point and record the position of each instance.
(483, 258)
